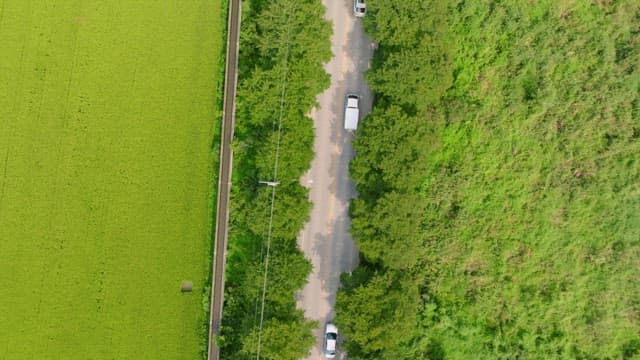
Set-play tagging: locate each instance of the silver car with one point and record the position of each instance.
(330, 340)
(359, 8)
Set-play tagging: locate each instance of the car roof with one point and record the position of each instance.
(331, 345)
(331, 328)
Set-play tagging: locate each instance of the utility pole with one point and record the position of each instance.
(269, 183)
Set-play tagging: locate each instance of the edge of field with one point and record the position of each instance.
(215, 148)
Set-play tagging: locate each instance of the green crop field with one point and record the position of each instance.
(108, 111)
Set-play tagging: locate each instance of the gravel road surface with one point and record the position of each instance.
(325, 238)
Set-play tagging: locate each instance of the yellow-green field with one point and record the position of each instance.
(107, 115)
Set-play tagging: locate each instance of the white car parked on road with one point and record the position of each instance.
(351, 112)
(330, 340)
(359, 8)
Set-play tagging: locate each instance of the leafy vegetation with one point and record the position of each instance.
(499, 182)
(283, 46)
(107, 114)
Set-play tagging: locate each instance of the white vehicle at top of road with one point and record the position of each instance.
(359, 8)
(351, 112)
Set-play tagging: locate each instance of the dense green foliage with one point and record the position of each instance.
(499, 182)
(107, 114)
(283, 46)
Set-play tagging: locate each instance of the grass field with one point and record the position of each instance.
(107, 115)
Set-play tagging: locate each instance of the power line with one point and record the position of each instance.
(274, 182)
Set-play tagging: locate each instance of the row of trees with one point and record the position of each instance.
(498, 173)
(283, 46)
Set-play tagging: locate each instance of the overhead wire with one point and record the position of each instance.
(274, 182)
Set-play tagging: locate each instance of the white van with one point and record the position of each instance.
(351, 112)
(359, 8)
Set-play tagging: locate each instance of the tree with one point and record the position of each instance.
(377, 316)
(498, 173)
(281, 340)
(281, 76)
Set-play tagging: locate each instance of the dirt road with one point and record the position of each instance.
(325, 239)
(224, 180)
